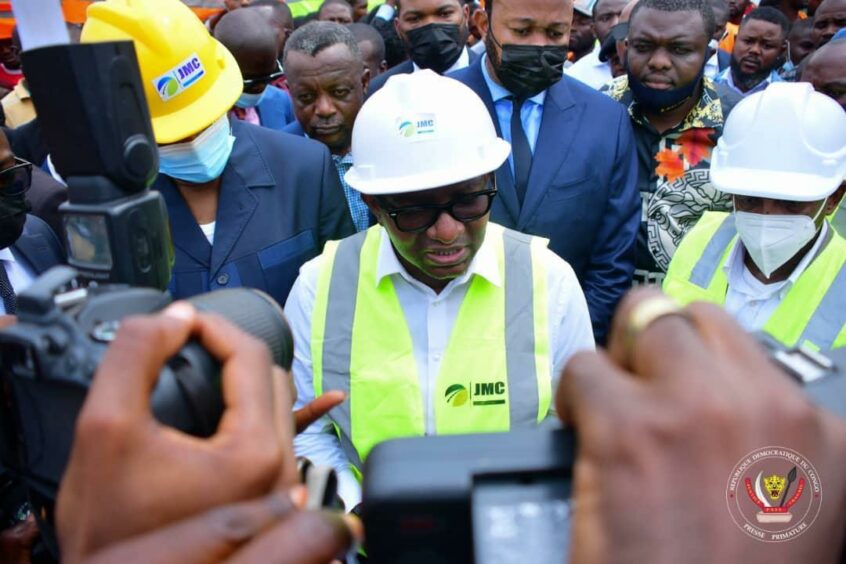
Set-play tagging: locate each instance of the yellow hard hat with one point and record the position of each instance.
(189, 78)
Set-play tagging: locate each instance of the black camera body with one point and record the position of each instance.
(505, 498)
(48, 359)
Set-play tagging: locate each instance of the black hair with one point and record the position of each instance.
(365, 32)
(701, 6)
(771, 15)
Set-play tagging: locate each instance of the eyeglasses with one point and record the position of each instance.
(464, 208)
(16, 179)
(278, 73)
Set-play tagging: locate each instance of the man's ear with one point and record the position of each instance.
(835, 199)
(480, 20)
(365, 80)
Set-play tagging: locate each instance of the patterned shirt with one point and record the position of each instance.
(673, 176)
(358, 209)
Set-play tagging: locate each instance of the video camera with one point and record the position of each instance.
(505, 498)
(98, 130)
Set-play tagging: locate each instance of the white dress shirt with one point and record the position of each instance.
(750, 301)
(590, 70)
(20, 275)
(430, 317)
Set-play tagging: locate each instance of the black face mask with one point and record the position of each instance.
(526, 70)
(654, 100)
(12, 218)
(436, 46)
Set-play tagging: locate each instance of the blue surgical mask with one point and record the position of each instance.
(247, 100)
(660, 101)
(202, 159)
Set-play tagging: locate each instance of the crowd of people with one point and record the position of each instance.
(450, 201)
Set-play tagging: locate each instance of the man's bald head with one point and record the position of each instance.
(826, 71)
(280, 17)
(252, 40)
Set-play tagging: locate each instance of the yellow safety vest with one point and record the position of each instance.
(495, 374)
(812, 313)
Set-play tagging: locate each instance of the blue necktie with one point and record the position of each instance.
(10, 301)
(521, 153)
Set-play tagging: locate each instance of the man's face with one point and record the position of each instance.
(256, 64)
(359, 9)
(801, 43)
(606, 14)
(666, 50)
(767, 206)
(327, 91)
(338, 13)
(736, 9)
(528, 22)
(372, 61)
(827, 72)
(417, 13)
(829, 19)
(581, 33)
(443, 251)
(9, 54)
(757, 51)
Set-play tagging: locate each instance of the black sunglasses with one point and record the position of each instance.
(278, 73)
(16, 179)
(464, 208)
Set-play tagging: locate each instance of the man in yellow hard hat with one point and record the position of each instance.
(247, 205)
(435, 321)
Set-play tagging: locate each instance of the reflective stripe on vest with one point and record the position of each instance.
(708, 263)
(813, 310)
(361, 345)
(838, 218)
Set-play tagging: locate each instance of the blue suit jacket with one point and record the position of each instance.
(582, 193)
(276, 110)
(405, 67)
(279, 202)
(39, 246)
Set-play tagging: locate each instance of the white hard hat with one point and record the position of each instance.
(786, 143)
(422, 131)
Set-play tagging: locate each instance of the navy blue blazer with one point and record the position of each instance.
(280, 201)
(582, 193)
(38, 246)
(275, 110)
(405, 67)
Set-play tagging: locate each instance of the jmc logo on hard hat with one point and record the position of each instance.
(179, 78)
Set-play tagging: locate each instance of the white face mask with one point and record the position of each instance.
(772, 240)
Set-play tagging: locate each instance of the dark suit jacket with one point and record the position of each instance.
(39, 246)
(276, 110)
(582, 191)
(406, 67)
(279, 202)
(45, 195)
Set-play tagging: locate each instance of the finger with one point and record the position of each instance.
(282, 407)
(593, 394)
(317, 408)
(246, 376)
(307, 537)
(7, 321)
(654, 349)
(210, 537)
(122, 388)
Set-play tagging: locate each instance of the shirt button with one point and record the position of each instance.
(223, 279)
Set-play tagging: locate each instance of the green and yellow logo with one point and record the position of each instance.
(456, 395)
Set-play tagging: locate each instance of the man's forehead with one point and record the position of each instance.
(829, 7)
(760, 28)
(330, 59)
(439, 195)
(609, 7)
(548, 13)
(427, 5)
(686, 24)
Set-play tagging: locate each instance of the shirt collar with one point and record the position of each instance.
(460, 63)
(346, 159)
(733, 267)
(728, 79)
(7, 255)
(484, 264)
(499, 92)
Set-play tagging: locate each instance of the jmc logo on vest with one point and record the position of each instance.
(480, 393)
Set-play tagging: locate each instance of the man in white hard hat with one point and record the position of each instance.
(774, 263)
(433, 321)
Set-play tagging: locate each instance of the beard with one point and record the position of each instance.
(747, 80)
